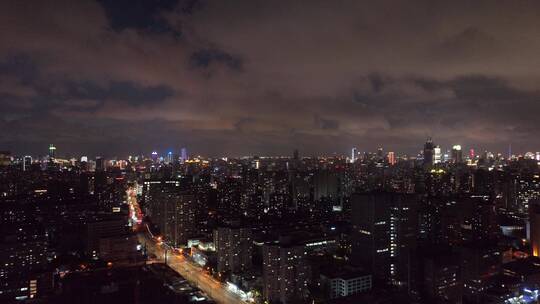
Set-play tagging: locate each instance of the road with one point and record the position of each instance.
(212, 287)
(194, 274)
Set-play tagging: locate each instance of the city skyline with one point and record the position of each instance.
(353, 154)
(249, 77)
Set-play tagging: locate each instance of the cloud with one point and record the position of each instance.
(206, 57)
(267, 77)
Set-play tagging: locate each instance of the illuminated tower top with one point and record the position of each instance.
(52, 151)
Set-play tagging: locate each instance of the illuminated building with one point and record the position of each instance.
(354, 153)
(391, 158)
(286, 273)
(437, 156)
(384, 234)
(27, 162)
(346, 282)
(23, 252)
(457, 154)
(183, 154)
(528, 191)
(52, 151)
(234, 249)
(172, 209)
(534, 229)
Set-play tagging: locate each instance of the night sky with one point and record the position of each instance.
(266, 77)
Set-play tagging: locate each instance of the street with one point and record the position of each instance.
(212, 287)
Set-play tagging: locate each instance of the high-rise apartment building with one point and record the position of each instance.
(172, 209)
(234, 247)
(384, 234)
(286, 273)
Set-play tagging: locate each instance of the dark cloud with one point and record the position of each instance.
(207, 57)
(139, 14)
(257, 77)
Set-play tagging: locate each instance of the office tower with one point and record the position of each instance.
(234, 247)
(437, 155)
(286, 273)
(296, 156)
(354, 153)
(384, 234)
(52, 151)
(380, 154)
(457, 154)
(471, 154)
(391, 158)
(169, 159)
(183, 154)
(154, 156)
(100, 164)
(534, 229)
(27, 162)
(428, 152)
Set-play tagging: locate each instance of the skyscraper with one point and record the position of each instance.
(391, 158)
(428, 152)
(100, 164)
(183, 154)
(437, 155)
(384, 234)
(27, 162)
(457, 154)
(52, 151)
(354, 153)
(380, 154)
